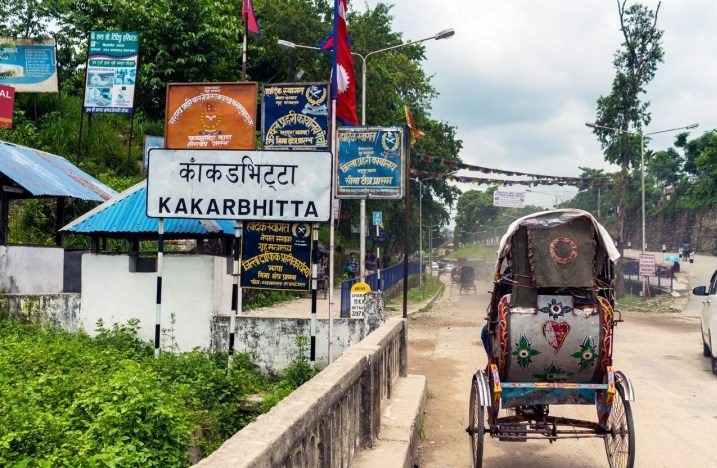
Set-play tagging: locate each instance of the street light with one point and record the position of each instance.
(545, 193)
(444, 34)
(642, 159)
(430, 228)
(420, 232)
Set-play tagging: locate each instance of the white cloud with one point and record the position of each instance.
(520, 78)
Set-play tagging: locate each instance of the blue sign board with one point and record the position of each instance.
(28, 66)
(151, 142)
(276, 256)
(371, 162)
(295, 116)
(377, 218)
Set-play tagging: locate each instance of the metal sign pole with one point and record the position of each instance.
(376, 262)
(314, 287)
(236, 290)
(158, 312)
(332, 228)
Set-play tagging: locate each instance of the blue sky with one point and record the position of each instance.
(520, 78)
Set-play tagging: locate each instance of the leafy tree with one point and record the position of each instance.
(623, 109)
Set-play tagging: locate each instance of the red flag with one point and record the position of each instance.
(7, 102)
(343, 79)
(247, 12)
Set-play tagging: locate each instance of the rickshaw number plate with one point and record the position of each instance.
(516, 436)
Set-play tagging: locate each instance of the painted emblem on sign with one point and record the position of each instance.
(555, 333)
(556, 308)
(563, 250)
(552, 373)
(524, 352)
(390, 141)
(210, 119)
(315, 95)
(587, 354)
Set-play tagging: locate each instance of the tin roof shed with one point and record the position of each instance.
(125, 216)
(30, 173)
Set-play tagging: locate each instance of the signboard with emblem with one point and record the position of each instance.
(28, 65)
(295, 116)
(371, 162)
(276, 256)
(211, 116)
(241, 185)
(111, 72)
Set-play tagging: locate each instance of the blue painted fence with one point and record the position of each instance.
(389, 277)
(663, 279)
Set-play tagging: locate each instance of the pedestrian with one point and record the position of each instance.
(679, 253)
(351, 266)
(692, 257)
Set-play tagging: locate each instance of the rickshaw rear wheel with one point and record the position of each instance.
(476, 426)
(620, 440)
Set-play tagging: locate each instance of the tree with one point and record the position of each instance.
(635, 65)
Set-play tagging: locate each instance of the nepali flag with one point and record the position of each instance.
(247, 13)
(343, 81)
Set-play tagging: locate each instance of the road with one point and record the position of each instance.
(675, 412)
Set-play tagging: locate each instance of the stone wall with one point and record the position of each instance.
(699, 229)
(56, 309)
(326, 421)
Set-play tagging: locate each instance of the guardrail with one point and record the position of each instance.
(631, 271)
(326, 421)
(389, 278)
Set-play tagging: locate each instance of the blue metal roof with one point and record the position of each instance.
(126, 214)
(48, 175)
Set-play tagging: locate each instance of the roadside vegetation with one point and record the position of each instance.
(67, 399)
(660, 304)
(480, 251)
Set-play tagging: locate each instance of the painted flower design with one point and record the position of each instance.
(524, 352)
(552, 374)
(586, 355)
(556, 309)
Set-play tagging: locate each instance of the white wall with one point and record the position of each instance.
(194, 289)
(31, 270)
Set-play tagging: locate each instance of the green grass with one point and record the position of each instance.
(658, 304)
(485, 252)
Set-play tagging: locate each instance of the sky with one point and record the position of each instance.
(520, 78)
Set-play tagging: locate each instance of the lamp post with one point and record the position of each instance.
(545, 193)
(445, 34)
(420, 231)
(430, 245)
(642, 136)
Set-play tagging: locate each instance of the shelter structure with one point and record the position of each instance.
(119, 286)
(28, 173)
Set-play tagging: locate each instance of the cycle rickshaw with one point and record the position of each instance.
(549, 339)
(466, 280)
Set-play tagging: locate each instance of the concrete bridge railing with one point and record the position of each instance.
(330, 418)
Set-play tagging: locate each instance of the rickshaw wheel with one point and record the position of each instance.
(476, 426)
(620, 441)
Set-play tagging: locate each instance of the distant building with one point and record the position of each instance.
(445, 248)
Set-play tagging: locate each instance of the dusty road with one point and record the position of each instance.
(675, 412)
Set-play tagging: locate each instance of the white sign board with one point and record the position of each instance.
(647, 265)
(509, 199)
(358, 299)
(245, 185)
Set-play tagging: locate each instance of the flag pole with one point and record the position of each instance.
(245, 42)
(332, 228)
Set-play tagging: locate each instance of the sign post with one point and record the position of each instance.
(647, 268)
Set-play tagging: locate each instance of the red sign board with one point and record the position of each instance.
(7, 102)
(647, 265)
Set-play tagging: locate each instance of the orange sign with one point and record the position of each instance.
(211, 116)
